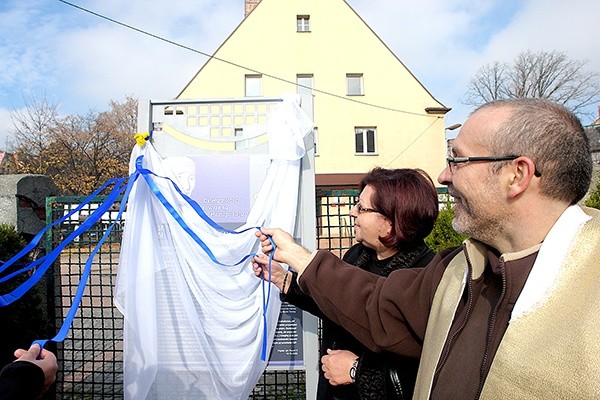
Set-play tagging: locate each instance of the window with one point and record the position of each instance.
(303, 23)
(304, 83)
(365, 140)
(316, 140)
(243, 144)
(354, 84)
(253, 85)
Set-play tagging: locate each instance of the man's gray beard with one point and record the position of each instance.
(484, 231)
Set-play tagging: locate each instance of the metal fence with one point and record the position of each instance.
(91, 357)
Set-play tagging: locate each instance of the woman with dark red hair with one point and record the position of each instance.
(396, 210)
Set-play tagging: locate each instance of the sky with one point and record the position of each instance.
(80, 61)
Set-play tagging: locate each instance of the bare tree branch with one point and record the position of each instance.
(33, 126)
(545, 74)
(78, 152)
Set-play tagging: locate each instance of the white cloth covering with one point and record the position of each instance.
(194, 329)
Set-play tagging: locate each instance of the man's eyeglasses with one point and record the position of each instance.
(453, 161)
(362, 209)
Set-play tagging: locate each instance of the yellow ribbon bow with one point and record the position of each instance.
(141, 138)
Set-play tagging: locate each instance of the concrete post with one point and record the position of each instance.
(23, 201)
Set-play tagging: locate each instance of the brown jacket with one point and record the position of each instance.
(392, 314)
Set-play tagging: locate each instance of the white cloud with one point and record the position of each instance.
(24, 52)
(444, 42)
(85, 61)
(438, 40)
(551, 25)
(6, 129)
(113, 61)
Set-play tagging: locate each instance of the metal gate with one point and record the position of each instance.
(91, 357)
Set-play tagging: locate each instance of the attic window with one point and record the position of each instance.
(354, 84)
(303, 23)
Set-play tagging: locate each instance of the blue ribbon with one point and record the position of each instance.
(64, 329)
(34, 242)
(46, 261)
(147, 174)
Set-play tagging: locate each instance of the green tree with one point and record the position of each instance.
(594, 199)
(443, 235)
(26, 319)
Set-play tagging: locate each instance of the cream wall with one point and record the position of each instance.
(339, 43)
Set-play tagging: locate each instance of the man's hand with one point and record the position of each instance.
(47, 362)
(287, 251)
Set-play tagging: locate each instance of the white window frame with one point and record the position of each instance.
(243, 144)
(253, 85)
(302, 23)
(361, 137)
(354, 85)
(304, 84)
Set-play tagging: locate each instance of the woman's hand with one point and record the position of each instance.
(336, 365)
(260, 266)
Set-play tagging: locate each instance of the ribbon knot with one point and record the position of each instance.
(141, 138)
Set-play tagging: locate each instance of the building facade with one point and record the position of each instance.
(368, 108)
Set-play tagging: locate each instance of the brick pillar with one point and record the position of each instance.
(250, 4)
